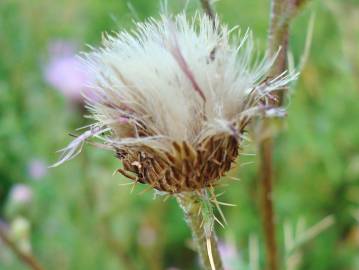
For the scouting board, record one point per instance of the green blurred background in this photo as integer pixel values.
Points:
(77, 216)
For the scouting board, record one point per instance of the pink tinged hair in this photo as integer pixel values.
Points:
(178, 56)
(276, 112)
(123, 120)
(75, 147)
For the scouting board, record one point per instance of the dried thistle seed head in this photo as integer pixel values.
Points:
(173, 97)
(183, 167)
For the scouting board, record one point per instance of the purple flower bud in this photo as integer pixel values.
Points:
(21, 193)
(65, 72)
(37, 169)
(147, 236)
(229, 255)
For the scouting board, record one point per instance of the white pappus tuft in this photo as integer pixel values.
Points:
(175, 79)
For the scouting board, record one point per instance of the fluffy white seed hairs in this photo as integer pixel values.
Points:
(174, 80)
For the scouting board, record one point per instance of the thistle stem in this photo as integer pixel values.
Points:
(277, 39)
(282, 11)
(207, 7)
(268, 218)
(210, 257)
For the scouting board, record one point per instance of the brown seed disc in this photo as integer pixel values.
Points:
(185, 167)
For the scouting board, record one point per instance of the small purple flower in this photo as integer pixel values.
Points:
(147, 236)
(229, 255)
(21, 193)
(37, 169)
(65, 72)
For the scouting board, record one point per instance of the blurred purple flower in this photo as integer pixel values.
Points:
(37, 169)
(21, 193)
(229, 255)
(65, 72)
(147, 236)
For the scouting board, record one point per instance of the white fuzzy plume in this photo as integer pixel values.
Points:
(176, 79)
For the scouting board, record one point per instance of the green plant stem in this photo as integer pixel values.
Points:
(277, 40)
(281, 14)
(266, 172)
(207, 7)
(191, 207)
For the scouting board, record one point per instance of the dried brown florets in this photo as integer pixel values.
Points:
(184, 167)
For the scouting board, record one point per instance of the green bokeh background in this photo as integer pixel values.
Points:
(80, 218)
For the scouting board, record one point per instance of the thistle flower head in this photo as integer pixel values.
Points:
(172, 99)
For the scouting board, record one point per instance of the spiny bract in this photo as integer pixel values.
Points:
(172, 99)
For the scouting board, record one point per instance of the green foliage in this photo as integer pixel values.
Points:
(82, 219)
